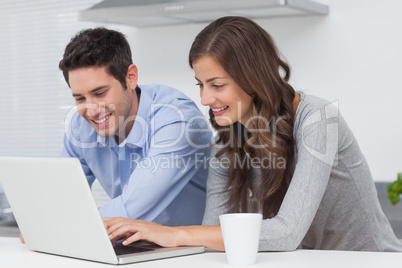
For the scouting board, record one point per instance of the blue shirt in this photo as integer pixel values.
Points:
(158, 173)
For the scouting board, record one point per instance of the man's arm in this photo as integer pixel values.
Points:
(161, 175)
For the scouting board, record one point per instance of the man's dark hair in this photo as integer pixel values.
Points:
(98, 47)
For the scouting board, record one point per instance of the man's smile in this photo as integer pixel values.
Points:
(101, 120)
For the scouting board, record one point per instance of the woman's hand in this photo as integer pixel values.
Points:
(133, 230)
(22, 238)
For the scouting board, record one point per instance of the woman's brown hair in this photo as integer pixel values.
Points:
(249, 55)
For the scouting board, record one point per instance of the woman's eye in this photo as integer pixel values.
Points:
(217, 86)
(199, 84)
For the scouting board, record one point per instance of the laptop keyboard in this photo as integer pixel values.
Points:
(130, 249)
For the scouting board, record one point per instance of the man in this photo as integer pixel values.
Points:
(145, 144)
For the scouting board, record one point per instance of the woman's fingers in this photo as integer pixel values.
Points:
(22, 238)
(133, 230)
(112, 228)
(121, 230)
(111, 224)
(131, 239)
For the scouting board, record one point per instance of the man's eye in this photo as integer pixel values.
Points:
(79, 99)
(100, 93)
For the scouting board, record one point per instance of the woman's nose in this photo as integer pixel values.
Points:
(207, 97)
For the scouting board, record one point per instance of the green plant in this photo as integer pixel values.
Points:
(394, 190)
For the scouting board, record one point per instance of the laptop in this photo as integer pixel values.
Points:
(56, 213)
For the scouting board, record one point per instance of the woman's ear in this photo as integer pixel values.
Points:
(132, 77)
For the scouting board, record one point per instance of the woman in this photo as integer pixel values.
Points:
(287, 154)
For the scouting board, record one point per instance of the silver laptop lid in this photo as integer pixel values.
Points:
(54, 208)
(56, 213)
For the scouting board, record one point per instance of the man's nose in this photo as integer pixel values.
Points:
(92, 110)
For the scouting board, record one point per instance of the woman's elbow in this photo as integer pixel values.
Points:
(290, 245)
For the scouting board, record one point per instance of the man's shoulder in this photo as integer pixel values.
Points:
(163, 94)
(168, 101)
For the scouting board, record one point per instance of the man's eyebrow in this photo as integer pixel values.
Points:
(92, 91)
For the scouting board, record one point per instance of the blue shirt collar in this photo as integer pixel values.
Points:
(138, 135)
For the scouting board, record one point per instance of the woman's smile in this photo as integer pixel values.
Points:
(219, 111)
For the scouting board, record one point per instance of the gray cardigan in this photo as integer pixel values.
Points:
(331, 202)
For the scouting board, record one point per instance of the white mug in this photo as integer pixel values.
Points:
(241, 235)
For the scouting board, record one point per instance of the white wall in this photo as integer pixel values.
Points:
(353, 56)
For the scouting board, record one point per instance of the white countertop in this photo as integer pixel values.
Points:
(14, 254)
